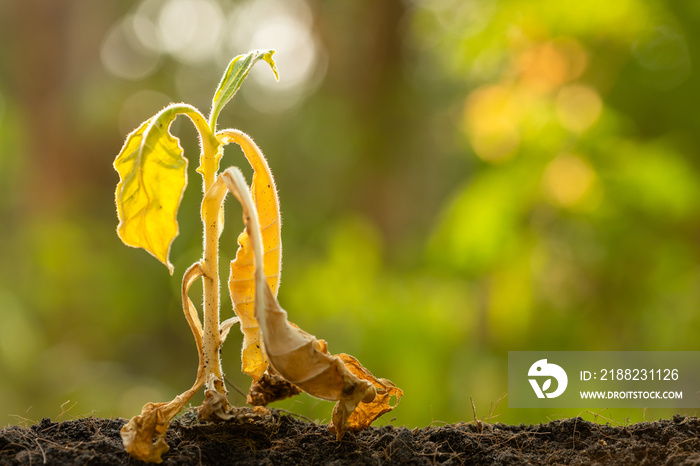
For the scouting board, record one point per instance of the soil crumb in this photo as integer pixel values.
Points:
(276, 437)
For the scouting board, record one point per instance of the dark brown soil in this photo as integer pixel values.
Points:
(283, 439)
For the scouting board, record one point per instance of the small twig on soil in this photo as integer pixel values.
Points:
(478, 423)
(22, 421)
(235, 387)
(494, 405)
(64, 410)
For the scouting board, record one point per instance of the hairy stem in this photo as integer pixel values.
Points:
(212, 217)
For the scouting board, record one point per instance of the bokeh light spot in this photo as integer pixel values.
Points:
(286, 27)
(547, 66)
(299, 53)
(190, 30)
(578, 107)
(177, 24)
(491, 116)
(568, 180)
(123, 54)
(145, 28)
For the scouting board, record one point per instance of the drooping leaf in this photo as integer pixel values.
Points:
(153, 177)
(144, 435)
(234, 76)
(242, 278)
(300, 358)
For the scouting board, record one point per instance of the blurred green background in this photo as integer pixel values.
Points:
(458, 179)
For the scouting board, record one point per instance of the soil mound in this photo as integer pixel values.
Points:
(280, 438)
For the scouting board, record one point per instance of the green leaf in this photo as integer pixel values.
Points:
(233, 78)
(153, 176)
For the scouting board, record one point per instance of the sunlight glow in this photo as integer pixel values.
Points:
(198, 31)
(191, 30)
(285, 26)
(124, 55)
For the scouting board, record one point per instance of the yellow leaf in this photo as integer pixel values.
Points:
(242, 278)
(153, 175)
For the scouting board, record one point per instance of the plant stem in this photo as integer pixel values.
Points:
(212, 219)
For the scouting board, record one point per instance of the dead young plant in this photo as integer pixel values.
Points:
(281, 358)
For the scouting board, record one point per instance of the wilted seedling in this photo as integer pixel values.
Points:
(281, 358)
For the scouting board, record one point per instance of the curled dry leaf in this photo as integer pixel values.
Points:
(242, 278)
(366, 413)
(144, 435)
(139, 433)
(300, 358)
